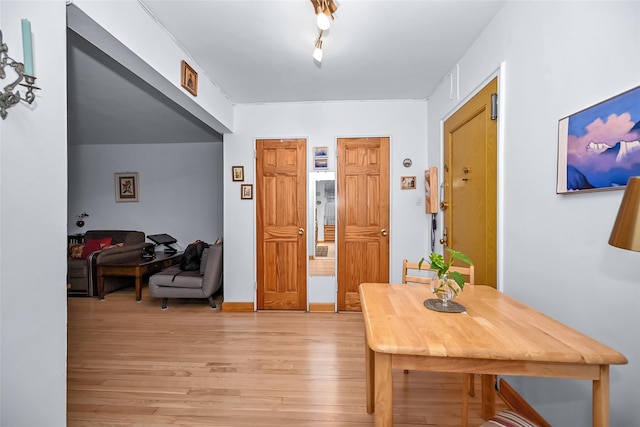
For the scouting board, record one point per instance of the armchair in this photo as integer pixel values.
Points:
(82, 269)
(175, 283)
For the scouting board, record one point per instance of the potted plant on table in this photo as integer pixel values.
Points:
(446, 284)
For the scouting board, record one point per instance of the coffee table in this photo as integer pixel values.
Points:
(139, 268)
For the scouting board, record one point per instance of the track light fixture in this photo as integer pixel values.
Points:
(317, 52)
(324, 10)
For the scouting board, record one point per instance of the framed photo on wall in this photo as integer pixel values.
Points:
(189, 79)
(321, 163)
(408, 183)
(127, 189)
(237, 173)
(246, 191)
(320, 158)
(599, 147)
(320, 151)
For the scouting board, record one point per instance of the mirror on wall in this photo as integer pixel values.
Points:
(323, 250)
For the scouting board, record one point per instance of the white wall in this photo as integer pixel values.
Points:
(180, 189)
(559, 57)
(33, 161)
(125, 31)
(321, 124)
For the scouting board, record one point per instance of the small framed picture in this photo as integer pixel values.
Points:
(246, 191)
(127, 187)
(189, 79)
(320, 151)
(408, 183)
(321, 163)
(237, 173)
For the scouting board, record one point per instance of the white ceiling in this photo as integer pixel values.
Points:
(260, 51)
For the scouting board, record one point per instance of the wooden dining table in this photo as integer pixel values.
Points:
(496, 335)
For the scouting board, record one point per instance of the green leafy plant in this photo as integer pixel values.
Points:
(441, 267)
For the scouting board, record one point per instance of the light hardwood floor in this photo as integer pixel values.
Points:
(324, 266)
(132, 364)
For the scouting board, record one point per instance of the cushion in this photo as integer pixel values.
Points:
(173, 277)
(509, 419)
(90, 246)
(203, 260)
(117, 245)
(75, 251)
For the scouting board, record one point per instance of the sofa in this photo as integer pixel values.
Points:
(101, 246)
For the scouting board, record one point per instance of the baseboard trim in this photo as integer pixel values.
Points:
(322, 307)
(237, 306)
(517, 403)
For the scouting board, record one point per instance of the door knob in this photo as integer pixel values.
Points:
(300, 230)
(445, 237)
(444, 205)
(383, 232)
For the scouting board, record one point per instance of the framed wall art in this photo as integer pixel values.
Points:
(320, 158)
(599, 147)
(408, 183)
(321, 163)
(127, 189)
(189, 79)
(431, 190)
(246, 191)
(237, 173)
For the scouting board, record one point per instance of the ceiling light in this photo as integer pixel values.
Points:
(324, 10)
(317, 52)
(323, 20)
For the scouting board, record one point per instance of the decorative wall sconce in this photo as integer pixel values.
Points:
(9, 98)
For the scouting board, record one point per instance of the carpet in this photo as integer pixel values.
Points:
(321, 251)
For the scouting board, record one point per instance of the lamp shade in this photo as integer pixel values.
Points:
(626, 230)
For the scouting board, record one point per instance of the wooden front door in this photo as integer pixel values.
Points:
(470, 184)
(363, 216)
(281, 217)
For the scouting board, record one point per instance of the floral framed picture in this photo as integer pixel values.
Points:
(189, 79)
(127, 187)
(246, 191)
(237, 173)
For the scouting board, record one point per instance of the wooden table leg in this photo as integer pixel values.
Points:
(601, 398)
(488, 396)
(369, 377)
(138, 288)
(383, 390)
(465, 400)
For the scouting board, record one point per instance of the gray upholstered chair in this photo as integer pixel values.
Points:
(175, 283)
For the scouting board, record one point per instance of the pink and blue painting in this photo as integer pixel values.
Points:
(599, 147)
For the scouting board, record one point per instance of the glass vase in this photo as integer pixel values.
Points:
(443, 287)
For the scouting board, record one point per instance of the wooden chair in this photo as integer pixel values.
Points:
(411, 273)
